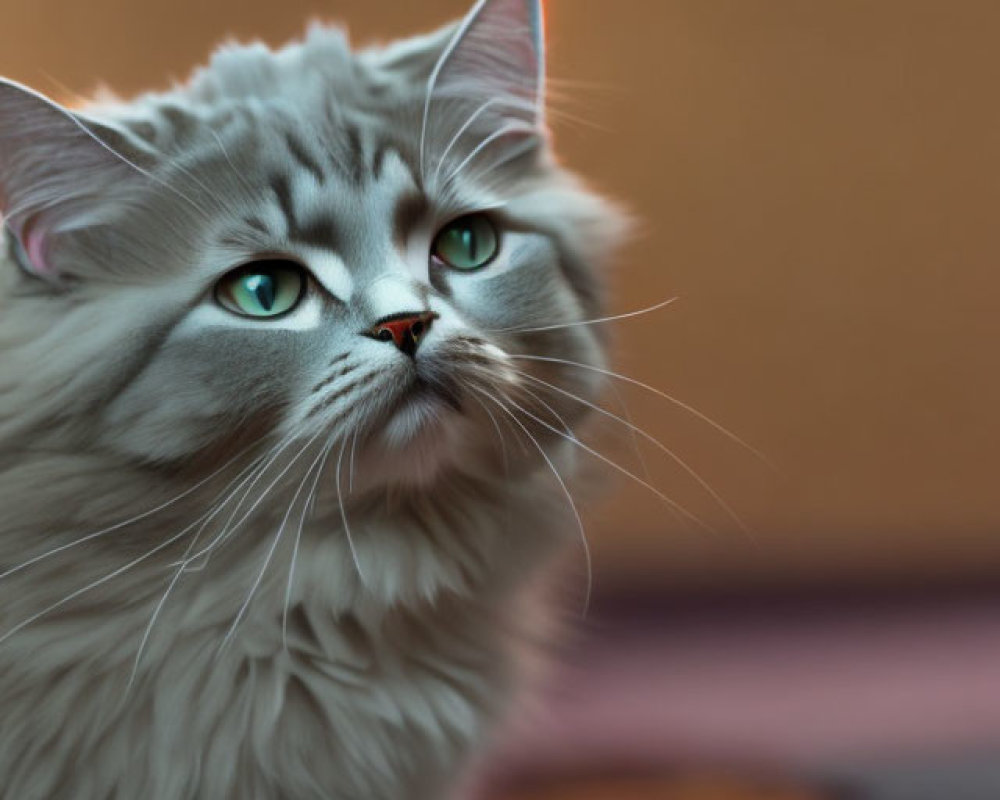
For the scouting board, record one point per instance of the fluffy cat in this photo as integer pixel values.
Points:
(278, 454)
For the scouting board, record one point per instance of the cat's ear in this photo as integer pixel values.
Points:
(57, 176)
(487, 89)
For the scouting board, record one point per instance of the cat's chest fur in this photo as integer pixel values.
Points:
(362, 689)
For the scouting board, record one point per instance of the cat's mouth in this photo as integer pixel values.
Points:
(428, 413)
(418, 434)
(433, 391)
(423, 407)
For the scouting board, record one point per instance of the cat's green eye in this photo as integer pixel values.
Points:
(267, 288)
(468, 243)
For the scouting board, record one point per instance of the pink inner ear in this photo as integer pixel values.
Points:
(34, 248)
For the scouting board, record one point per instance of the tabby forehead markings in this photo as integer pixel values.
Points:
(257, 224)
(301, 155)
(237, 240)
(411, 208)
(356, 155)
(182, 124)
(319, 231)
(378, 158)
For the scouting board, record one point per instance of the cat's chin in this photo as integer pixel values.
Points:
(417, 440)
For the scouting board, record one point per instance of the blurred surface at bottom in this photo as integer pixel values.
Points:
(883, 696)
(687, 788)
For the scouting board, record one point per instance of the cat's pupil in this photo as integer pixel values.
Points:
(469, 242)
(262, 287)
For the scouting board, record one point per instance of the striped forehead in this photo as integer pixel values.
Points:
(343, 206)
(331, 203)
(319, 190)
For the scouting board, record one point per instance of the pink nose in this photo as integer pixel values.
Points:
(404, 330)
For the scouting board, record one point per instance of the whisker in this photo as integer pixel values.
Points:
(78, 121)
(343, 516)
(502, 102)
(512, 127)
(576, 512)
(350, 480)
(534, 396)
(94, 584)
(118, 526)
(239, 175)
(598, 321)
(670, 502)
(205, 520)
(298, 538)
(274, 544)
(652, 440)
(229, 528)
(496, 427)
(679, 403)
(569, 431)
(256, 473)
(633, 439)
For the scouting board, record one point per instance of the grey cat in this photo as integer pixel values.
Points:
(280, 455)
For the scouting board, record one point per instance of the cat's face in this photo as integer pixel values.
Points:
(312, 246)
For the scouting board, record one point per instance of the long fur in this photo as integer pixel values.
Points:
(244, 558)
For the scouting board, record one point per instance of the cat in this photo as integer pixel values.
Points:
(281, 448)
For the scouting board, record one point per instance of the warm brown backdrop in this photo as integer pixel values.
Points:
(817, 182)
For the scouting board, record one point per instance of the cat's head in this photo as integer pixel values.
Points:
(304, 245)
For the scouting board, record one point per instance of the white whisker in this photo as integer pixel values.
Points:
(274, 544)
(256, 472)
(205, 519)
(511, 127)
(633, 439)
(230, 528)
(239, 175)
(679, 403)
(652, 440)
(576, 513)
(669, 501)
(496, 427)
(432, 85)
(343, 516)
(298, 538)
(598, 321)
(508, 102)
(125, 160)
(99, 582)
(350, 479)
(118, 526)
(534, 396)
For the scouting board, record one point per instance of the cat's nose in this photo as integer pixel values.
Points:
(405, 330)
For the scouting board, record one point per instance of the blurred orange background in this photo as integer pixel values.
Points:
(817, 184)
